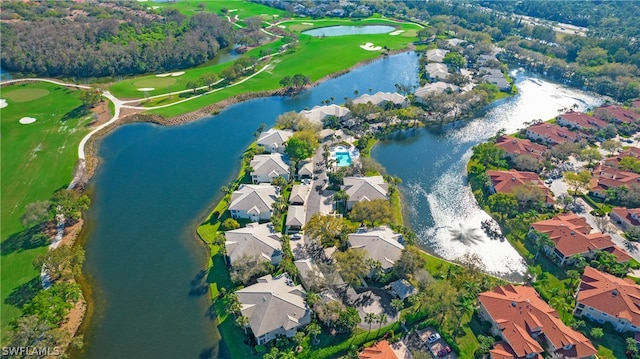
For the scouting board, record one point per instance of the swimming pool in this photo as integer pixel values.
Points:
(343, 159)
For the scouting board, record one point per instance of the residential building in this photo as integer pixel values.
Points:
(489, 60)
(307, 272)
(455, 42)
(305, 169)
(318, 113)
(552, 134)
(502, 350)
(274, 140)
(528, 325)
(605, 178)
(436, 71)
(381, 244)
(253, 202)
(633, 152)
(274, 306)
(627, 218)
(260, 240)
(507, 181)
(436, 55)
(364, 189)
(296, 218)
(494, 76)
(616, 114)
(402, 288)
(379, 350)
(299, 194)
(572, 235)
(515, 147)
(603, 297)
(267, 167)
(580, 121)
(382, 99)
(435, 87)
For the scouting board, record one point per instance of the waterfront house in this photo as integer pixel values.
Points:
(434, 87)
(274, 140)
(380, 244)
(494, 76)
(507, 181)
(552, 134)
(253, 202)
(605, 298)
(436, 55)
(436, 71)
(360, 189)
(267, 167)
(402, 289)
(379, 350)
(616, 114)
(626, 217)
(318, 113)
(296, 218)
(299, 194)
(382, 99)
(580, 121)
(572, 235)
(529, 326)
(515, 147)
(274, 306)
(259, 240)
(605, 178)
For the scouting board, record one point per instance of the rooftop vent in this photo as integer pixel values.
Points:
(513, 304)
(614, 293)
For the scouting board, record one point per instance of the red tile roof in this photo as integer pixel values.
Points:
(605, 177)
(506, 181)
(631, 152)
(582, 120)
(380, 350)
(615, 296)
(636, 104)
(553, 133)
(630, 215)
(517, 146)
(617, 114)
(520, 313)
(502, 350)
(572, 235)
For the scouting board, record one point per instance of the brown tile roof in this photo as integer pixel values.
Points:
(572, 235)
(605, 177)
(517, 146)
(615, 296)
(631, 215)
(521, 313)
(380, 350)
(617, 114)
(506, 181)
(554, 133)
(582, 120)
(631, 152)
(502, 350)
(636, 104)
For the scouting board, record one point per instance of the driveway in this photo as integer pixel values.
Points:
(436, 346)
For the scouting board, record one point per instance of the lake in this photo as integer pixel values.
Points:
(349, 30)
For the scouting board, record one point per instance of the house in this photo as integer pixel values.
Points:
(494, 76)
(364, 189)
(296, 218)
(528, 325)
(299, 194)
(267, 167)
(616, 114)
(305, 169)
(273, 140)
(502, 350)
(255, 239)
(605, 178)
(307, 272)
(402, 289)
(515, 147)
(580, 121)
(603, 297)
(455, 42)
(488, 60)
(379, 350)
(435, 87)
(507, 181)
(318, 113)
(572, 235)
(274, 306)
(253, 202)
(381, 244)
(615, 160)
(626, 217)
(326, 135)
(437, 71)
(552, 134)
(436, 55)
(382, 99)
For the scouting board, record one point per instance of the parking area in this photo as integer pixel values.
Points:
(437, 346)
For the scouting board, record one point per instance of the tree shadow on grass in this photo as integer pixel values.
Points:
(28, 238)
(23, 294)
(79, 111)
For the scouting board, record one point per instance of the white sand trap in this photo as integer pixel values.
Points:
(369, 47)
(397, 32)
(237, 18)
(146, 89)
(307, 23)
(176, 74)
(155, 7)
(282, 26)
(27, 120)
(164, 75)
(274, 15)
(142, 0)
(3, 103)
(232, 10)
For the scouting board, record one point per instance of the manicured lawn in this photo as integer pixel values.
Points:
(468, 342)
(243, 9)
(37, 159)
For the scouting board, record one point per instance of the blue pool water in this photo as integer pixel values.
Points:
(343, 159)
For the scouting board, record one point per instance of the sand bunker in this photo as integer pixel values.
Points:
(282, 26)
(176, 74)
(27, 120)
(397, 32)
(307, 23)
(232, 10)
(146, 89)
(164, 75)
(369, 47)
(155, 7)
(3, 103)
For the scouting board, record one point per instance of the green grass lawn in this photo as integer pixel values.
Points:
(243, 9)
(37, 159)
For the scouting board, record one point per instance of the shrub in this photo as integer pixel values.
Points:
(230, 224)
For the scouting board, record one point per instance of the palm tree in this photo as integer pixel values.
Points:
(242, 322)
(397, 304)
(312, 298)
(370, 318)
(341, 196)
(314, 329)
(382, 319)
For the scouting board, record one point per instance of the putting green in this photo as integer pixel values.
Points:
(155, 82)
(25, 95)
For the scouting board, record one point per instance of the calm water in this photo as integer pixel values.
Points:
(432, 164)
(349, 30)
(153, 185)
